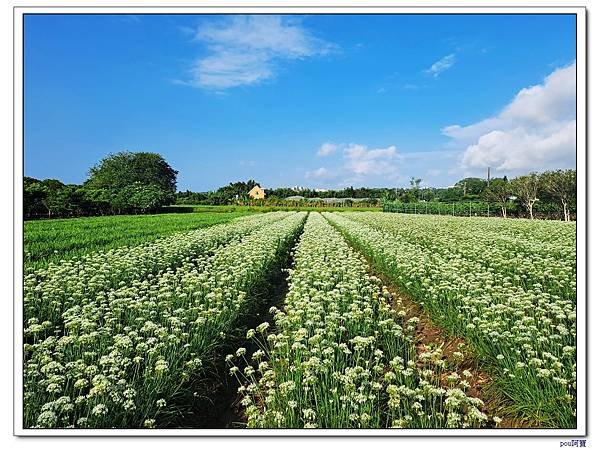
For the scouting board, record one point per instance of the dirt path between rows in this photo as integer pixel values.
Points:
(428, 335)
(219, 406)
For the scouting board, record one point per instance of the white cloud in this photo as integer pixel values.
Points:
(522, 149)
(542, 104)
(247, 49)
(320, 173)
(442, 65)
(327, 148)
(357, 164)
(230, 69)
(363, 161)
(535, 131)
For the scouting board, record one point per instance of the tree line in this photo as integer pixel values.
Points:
(544, 193)
(554, 186)
(226, 195)
(123, 183)
(548, 194)
(142, 182)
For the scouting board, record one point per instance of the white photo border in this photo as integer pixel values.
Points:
(582, 217)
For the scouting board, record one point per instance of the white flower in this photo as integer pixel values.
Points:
(99, 410)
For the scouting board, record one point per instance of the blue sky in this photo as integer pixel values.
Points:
(321, 101)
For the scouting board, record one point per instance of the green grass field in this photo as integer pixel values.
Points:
(52, 240)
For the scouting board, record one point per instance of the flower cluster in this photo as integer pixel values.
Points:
(508, 287)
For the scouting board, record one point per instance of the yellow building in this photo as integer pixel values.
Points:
(257, 193)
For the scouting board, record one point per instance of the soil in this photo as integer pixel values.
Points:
(428, 334)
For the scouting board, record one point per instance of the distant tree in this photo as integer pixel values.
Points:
(387, 196)
(499, 192)
(473, 186)
(427, 194)
(98, 201)
(236, 191)
(33, 196)
(415, 184)
(451, 194)
(70, 201)
(561, 185)
(526, 189)
(53, 198)
(126, 168)
(191, 198)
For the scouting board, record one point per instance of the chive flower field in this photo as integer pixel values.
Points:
(382, 320)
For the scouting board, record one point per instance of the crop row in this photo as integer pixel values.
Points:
(528, 263)
(47, 241)
(337, 355)
(118, 356)
(526, 336)
(48, 292)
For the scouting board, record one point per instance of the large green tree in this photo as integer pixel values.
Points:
(561, 186)
(473, 186)
(499, 191)
(124, 169)
(48, 196)
(33, 196)
(526, 189)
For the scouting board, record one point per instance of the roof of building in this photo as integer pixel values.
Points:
(255, 187)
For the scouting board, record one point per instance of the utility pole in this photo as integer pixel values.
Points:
(488, 177)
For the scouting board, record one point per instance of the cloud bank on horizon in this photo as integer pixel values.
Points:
(534, 132)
